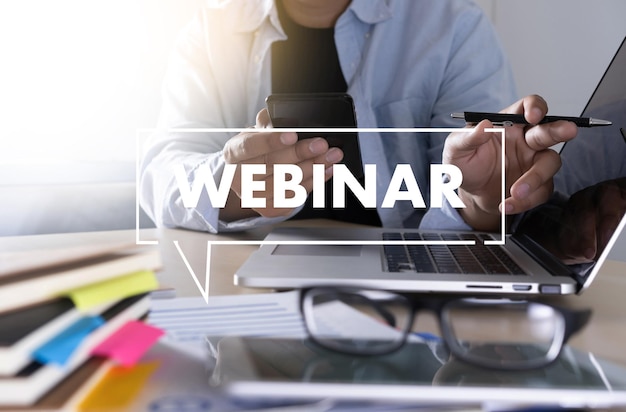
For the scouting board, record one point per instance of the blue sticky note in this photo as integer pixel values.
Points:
(59, 349)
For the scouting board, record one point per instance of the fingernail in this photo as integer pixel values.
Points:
(537, 114)
(317, 146)
(334, 155)
(523, 191)
(508, 208)
(288, 138)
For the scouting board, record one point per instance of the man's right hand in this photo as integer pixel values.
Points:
(271, 148)
(530, 164)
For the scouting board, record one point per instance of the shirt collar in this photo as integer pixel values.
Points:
(371, 11)
(250, 15)
(245, 15)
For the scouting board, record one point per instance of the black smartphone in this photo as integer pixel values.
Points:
(320, 110)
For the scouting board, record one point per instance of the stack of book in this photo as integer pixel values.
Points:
(62, 310)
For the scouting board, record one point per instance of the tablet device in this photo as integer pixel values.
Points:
(420, 372)
(320, 110)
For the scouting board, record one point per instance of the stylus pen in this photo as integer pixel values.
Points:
(503, 119)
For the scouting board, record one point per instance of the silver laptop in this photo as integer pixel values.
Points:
(539, 256)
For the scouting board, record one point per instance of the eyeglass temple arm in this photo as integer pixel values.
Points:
(387, 315)
(575, 321)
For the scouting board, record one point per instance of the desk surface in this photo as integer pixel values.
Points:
(604, 335)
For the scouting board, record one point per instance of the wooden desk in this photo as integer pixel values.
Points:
(605, 335)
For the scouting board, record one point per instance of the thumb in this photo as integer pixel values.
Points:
(263, 119)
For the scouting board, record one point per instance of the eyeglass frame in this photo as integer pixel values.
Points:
(573, 321)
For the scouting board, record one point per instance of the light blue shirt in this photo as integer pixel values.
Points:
(407, 63)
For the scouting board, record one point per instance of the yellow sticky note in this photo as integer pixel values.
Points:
(112, 289)
(117, 388)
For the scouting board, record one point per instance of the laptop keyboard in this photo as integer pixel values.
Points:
(475, 259)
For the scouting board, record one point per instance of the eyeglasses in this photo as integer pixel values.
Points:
(500, 334)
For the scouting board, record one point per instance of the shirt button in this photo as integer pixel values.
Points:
(257, 58)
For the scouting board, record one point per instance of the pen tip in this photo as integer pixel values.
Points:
(599, 122)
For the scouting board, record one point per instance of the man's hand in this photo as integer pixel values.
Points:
(530, 164)
(270, 148)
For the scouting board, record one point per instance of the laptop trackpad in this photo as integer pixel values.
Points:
(317, 250)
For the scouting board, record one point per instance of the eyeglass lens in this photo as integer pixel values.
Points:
(505, 334)
(384, 311)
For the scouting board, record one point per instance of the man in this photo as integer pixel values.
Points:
(406, 63)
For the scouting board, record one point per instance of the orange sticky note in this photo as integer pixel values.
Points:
(128, 344)
(117, 388)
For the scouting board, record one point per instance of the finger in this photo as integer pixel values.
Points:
(334, 155)
(306, 180)
(252, 144)
(303, 150)
(546, 135)
(533, 107)
(263, 119)
(539, 176)
(463, 144)
(534, 198)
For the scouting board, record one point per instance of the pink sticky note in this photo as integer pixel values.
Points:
(128, 344)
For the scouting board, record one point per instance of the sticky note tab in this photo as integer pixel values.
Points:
(113, 289)
(60, 348)
(128, 344)
(118, 388)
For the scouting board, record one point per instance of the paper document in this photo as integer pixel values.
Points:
(188, 321)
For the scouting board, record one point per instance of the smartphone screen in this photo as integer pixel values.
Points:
(320, 110)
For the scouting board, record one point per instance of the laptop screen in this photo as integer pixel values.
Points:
(590, 188)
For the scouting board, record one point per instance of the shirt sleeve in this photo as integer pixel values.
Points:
(478, 75)
(191, 104)
(478, 78)
(444, 218)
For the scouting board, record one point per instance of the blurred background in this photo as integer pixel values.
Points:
(79, 77)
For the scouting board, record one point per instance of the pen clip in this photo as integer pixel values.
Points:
(506, 123)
